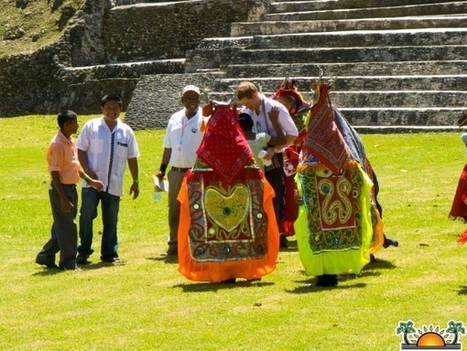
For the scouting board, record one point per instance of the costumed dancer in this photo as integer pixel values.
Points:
(289, 96)
(334, 230)
(227, 228)
(357, 151)
(459, 204)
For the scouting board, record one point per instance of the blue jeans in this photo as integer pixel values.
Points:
(110, 205)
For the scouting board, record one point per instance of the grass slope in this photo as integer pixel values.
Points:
(26, 25)
(145, 304)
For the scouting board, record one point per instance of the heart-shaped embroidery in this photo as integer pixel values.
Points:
(227, 209)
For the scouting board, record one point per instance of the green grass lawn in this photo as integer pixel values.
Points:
(145, 304)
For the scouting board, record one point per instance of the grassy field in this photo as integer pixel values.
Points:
(28, 25)
(145, 304)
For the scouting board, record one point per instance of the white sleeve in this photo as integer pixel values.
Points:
(133, 150)
(83, 140)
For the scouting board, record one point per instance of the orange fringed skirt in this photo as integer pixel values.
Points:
(249, 262)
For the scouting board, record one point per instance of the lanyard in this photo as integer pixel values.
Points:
(184, 123)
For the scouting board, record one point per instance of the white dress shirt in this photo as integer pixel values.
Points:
(96, 140)
(183, 136)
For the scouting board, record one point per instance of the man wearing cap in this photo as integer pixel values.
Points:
(182, 139)
(105, 145)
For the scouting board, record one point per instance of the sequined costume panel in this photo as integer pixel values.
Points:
(226, 223)
(333, 209)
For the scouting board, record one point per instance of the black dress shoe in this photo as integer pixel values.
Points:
(69, 267)
(111, 259)
(229, 281)
(283, 242)
(172, 251)
(82, 259)
(48, 261)
(326, 280)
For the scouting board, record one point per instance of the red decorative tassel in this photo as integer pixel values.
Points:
(462, 237)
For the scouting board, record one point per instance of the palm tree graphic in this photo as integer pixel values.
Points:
(406, 328)
(455, 328)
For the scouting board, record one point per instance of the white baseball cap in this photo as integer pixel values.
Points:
(191, 88)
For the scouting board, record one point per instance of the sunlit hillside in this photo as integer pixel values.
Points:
(26, 25)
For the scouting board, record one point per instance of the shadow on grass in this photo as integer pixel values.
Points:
(164, 258)
(379, 264)
(199, 287)
(48, 271)
(99, 265)
(462, 290)
(311, 287)
(86, 267)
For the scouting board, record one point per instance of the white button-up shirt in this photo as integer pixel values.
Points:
(183, 136)
(108, 151)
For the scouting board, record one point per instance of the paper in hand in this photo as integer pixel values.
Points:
(160, 184)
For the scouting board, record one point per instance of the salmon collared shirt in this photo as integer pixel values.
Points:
(62, 157)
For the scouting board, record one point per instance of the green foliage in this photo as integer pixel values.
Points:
(145, 304)
(28, 25)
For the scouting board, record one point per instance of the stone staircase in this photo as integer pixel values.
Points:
(394, 63)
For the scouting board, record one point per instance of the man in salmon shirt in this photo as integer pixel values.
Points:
(64, 168)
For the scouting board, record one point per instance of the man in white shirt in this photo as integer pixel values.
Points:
(182, 139)
(105, 145)
(271, 117)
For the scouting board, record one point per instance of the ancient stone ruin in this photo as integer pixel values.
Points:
(395, 63)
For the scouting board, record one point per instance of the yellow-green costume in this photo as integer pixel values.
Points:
(334, 229)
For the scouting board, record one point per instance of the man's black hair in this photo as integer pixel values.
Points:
(111, 97)
(245, 122)
(65, 116)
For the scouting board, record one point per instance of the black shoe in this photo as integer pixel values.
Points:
(229, 281)
(283, 242)
(326, 280)
(48, 261)
(112, 259)
(172, 251)
(82, 259)
(68, 267)
(390, 242)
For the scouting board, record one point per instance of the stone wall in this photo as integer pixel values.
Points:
(38, 82)
(169, 29)
(101, 33)
(156, 97)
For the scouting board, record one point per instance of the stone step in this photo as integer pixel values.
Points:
(407, 129)
(363, 38)
(128, 69)
(208, 58)
(346, 69)
(394, 98)
(362, 54)
(281, 27)
(361, 83)
(452, 7)
(372, 99)
(402, 116)
(295, 6)
(383, 116)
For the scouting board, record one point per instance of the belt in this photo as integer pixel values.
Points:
(181, 170)
(73, 186)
